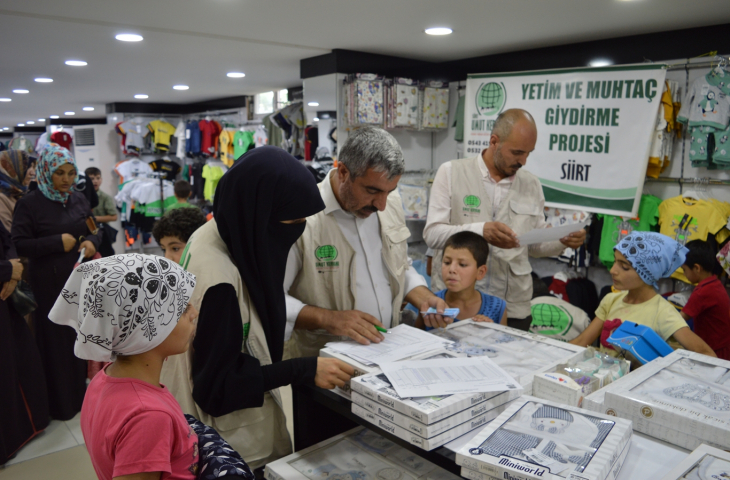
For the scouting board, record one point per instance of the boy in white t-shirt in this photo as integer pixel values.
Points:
(642, 258)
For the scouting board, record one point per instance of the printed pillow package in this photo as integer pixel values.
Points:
(521, 354)
(358, 454)
(704, 463)
(536, 439)
(687, 395)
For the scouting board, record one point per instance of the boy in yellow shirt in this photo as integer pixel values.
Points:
(642, 258)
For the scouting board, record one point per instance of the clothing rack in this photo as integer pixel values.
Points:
(681, 181)
(717, 60)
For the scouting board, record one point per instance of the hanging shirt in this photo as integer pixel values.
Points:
(170, 168)
(42, 142)
(226, 147)
(242, 142)
(707, 102)
(656, 313)
(22, 143)
(129, 169)
(212, 176)
(161, 132)
(180, 138)
(62, 138)
(260, 137)
(134, 140)
(209, 132)
(192, 137)
(615, 228)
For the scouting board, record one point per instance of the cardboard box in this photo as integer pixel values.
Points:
(422, 429)
(360, 369)
(433, 442)
(427, 410)
(613, 475)
(521, 354)
(557, 388)
(712, 462)
(545, 433)
(676, 397)
(360, 453)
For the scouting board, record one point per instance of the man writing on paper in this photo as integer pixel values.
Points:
(349, 272)
(492, 195)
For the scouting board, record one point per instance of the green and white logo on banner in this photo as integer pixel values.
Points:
(594, 130)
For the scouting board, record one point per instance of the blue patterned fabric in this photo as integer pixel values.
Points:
(217, 458)
(492, 307)
(652, 255)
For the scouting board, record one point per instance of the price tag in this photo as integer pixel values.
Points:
(22, 143)
(139, 129)
(187, 134)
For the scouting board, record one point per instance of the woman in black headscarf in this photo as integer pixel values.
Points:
(231, 376)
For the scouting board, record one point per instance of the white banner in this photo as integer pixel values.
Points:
(594, 128)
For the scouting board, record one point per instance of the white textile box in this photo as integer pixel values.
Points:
(537, 439)
(521, 354)
(356, 454)
(686, 394)
(613, 475)
(705, 462)
(421, 429)
(433, 442)
(427, 410)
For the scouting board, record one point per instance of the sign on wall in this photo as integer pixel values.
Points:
(594, 129)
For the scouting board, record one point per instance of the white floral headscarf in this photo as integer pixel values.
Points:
(122, 305)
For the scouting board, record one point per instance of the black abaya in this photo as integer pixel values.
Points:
(37, 228)
(23, 398)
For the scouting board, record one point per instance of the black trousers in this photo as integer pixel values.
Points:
(520, 323)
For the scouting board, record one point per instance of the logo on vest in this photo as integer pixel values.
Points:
(326, 256)
(471, 204)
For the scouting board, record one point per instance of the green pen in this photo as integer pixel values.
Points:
(381, 329)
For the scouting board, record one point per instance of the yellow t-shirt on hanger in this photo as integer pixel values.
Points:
(162, 132)
(685, 219)
(226, 147)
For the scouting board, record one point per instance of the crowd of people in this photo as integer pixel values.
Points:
(240, 305)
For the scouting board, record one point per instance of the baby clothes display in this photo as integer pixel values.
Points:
(663, 136)
(209, 132)
(130, 169)
(162, 132)
(615, 228)
(405, 102)
(415, 201)
(435, 110)
(369, 101)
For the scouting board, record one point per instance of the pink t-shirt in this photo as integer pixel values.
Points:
(131, 426)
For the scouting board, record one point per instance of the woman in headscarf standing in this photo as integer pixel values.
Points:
(230, 379)
(50, 228)
(17, 170)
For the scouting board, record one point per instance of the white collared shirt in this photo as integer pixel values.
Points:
(438, 222)
(372, 285)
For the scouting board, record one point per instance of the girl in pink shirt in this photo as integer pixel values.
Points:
(132, 310)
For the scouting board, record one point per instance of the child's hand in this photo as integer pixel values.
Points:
(482, 318)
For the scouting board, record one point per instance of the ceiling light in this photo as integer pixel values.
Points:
(44, 80)
(236, 74)
(6, 128)
(439, 31)
(53, 116)
(313, 104)
(129, 37)
(180, 87)
(21, 124)
(88, 109)
(69, 113)
(41, 119)
(600, 62)
(30, 122)
(315, 119)
(141, 96)
(6, 100)
(20, 90)
(76, 63)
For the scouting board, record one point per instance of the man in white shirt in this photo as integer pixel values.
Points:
(349, 272)
(492, 195)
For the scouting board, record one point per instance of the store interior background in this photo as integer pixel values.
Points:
(292, 45)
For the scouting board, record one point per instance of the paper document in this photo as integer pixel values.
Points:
(423, 378)
(402, 342)
(540, 235)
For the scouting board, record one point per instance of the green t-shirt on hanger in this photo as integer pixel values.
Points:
(615, 228)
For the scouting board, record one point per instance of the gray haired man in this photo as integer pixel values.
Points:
(349, 271)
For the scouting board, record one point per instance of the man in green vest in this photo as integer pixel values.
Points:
(349, 272)
(492, 195)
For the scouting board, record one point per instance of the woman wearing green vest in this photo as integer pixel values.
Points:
(231, 377)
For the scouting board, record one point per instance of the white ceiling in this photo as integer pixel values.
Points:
(195, 42)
